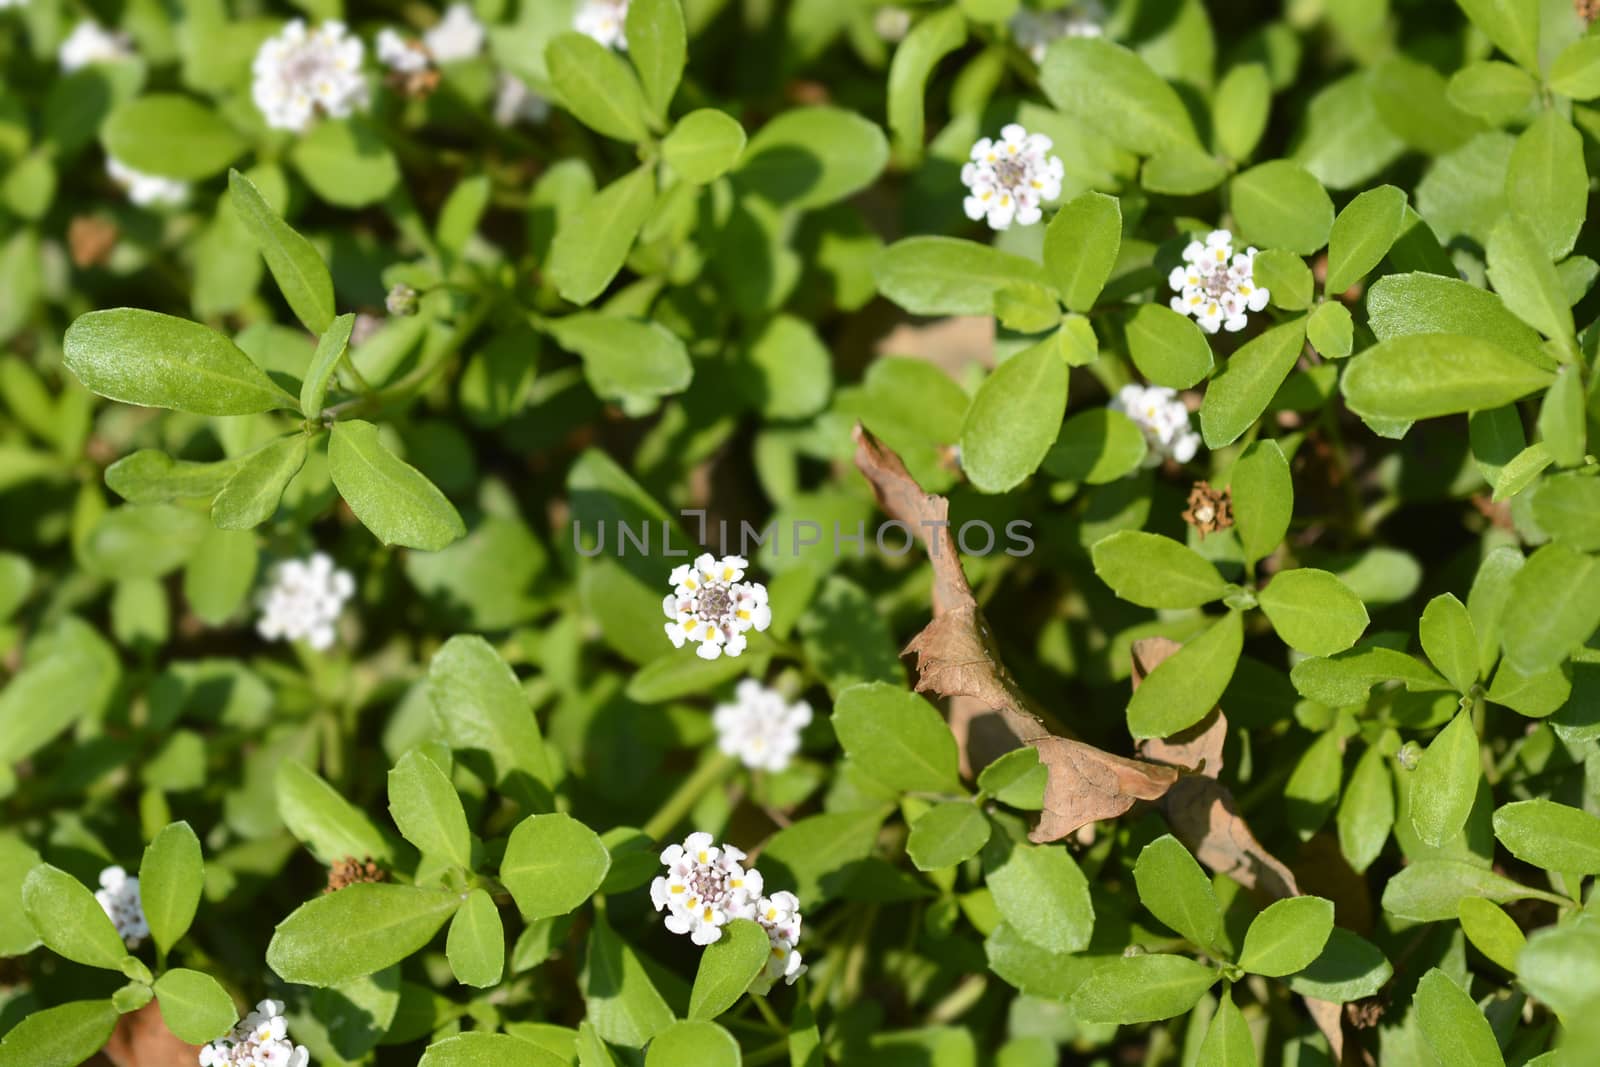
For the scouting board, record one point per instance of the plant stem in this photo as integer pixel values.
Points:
(710, 772)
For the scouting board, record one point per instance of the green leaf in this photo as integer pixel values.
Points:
(1431, 890)
(1041, 893)
(727, 967)
(346, 162)
(171, 135)
(328, 824)
(476, 944)
(220, 574)
(1526, 280)
(1287, 936)
(357, 931)
(815, 856)
(149, 476)
(1552, 609)
(1399, 304)
(704, 145)
(809, 157)
(1412, 100)
(1181, 170)
(1176, 891)
(194, 1006)
(331, 348)
(597, 87)
(459, 217)
(1179, 692)
(1156, 572)
(929, 41)
(1558, 966)
(1096, 446)
(1080, 247)
(1014, 419)
(141, 357)
(948, 276)
(1350, 968)
(1280, 205)
(1168, 348)
(74, 676)
(1313, 786)
(69, 920)
(1114, 91)
(624, 1006)
(1422, 376)
(17, 858)
(658, 46)
(302, 276)
(425, 807)
(1242, 389)
(486, 718)
(625, 357)
(1446, 782)
(1576, 71)
(1016, 778)
(1567, 507)
(1331, 331)
(1449, 641)
(1512, 26)
(693, 1043)
(897, 737)
(1286, 278)
(1366, 810)
(171, 876)
(1142, 989)
(1313, 611)
(479, 1048)
(1228, 1042)
(1263, 499)
(1492, 932)
(63, 1036)
(553, 863)
(393, 499)
(1239, 111)
(592, 243)
(1550, 835)
(1362, 235)
(252, 494)
(946, 834)
(1547, 185)
(1455, 1029)
(1563, 424)
(1493, 91)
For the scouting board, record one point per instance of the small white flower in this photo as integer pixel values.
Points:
(705, 888)
(514, 102)
(260, 1039)
(1008, 179)
(303, 600)
(91, 43)
(459, 35)
(779, 915)
(711, 606)
(891, 23)
(303, 72)
(761, 728)
(401, 54)
(146, 189)
(1163, 418)
(604, 20)
(1034, 30)
(119, 898)
(1216, 285)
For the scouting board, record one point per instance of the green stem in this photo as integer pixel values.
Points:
(711, 772)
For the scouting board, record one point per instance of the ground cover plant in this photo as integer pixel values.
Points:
(689, 533)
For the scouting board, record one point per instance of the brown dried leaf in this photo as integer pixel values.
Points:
(142, 1039)
(957, 657)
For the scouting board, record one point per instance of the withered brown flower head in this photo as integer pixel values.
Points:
(350, 870)
(1209, 509)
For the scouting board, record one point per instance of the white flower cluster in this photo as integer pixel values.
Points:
(119, 897)
(515, 102)
(261, 1039)
(1163, 418)
(302, 72)
(303, 600)
(760, 727)
(1216, 285)
(144, 189)
(711, 606)
(706, 887)
(91, 43)
(1009, 178)
(604, 20)
(1034, 30)
(457, 36)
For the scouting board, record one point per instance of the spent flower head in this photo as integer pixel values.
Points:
(303, 72)
(712, 607)
(90, 43)
(1158, 412)
(260, 1039)
(119, 897)
(604, 20)
(760, 726)
(705, 888)
(303, 599)
(1008, 179)
(146, 190)
(1217, 285)
(401, 54)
